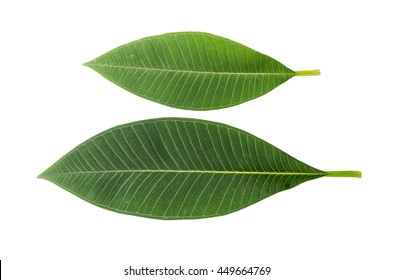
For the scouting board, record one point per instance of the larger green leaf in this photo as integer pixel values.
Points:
(175, 168)
(192, 70)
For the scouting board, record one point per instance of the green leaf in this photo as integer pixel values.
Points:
(193, 70)
(174, 168)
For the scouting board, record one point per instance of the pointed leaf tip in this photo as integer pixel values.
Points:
(86, 64)
(174, 168)
(41, 175)
(192, 70)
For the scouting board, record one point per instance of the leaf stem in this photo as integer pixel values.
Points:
(315, 72)
(346, 173)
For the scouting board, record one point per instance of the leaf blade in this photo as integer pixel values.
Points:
(175, 168)
(191, 70)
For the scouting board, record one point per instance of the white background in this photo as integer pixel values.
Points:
(330, 228)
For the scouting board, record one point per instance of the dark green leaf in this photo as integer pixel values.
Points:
(175, 168)
(192, 70)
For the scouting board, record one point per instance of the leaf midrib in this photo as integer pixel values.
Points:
(193, 71)
(194, 171)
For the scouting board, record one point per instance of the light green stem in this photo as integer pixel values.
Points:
(347, 173)
(315, 72)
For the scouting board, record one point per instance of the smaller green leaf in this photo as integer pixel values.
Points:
(174, 168)
(193, 70)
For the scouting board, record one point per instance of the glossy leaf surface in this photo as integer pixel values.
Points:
(192, 70)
